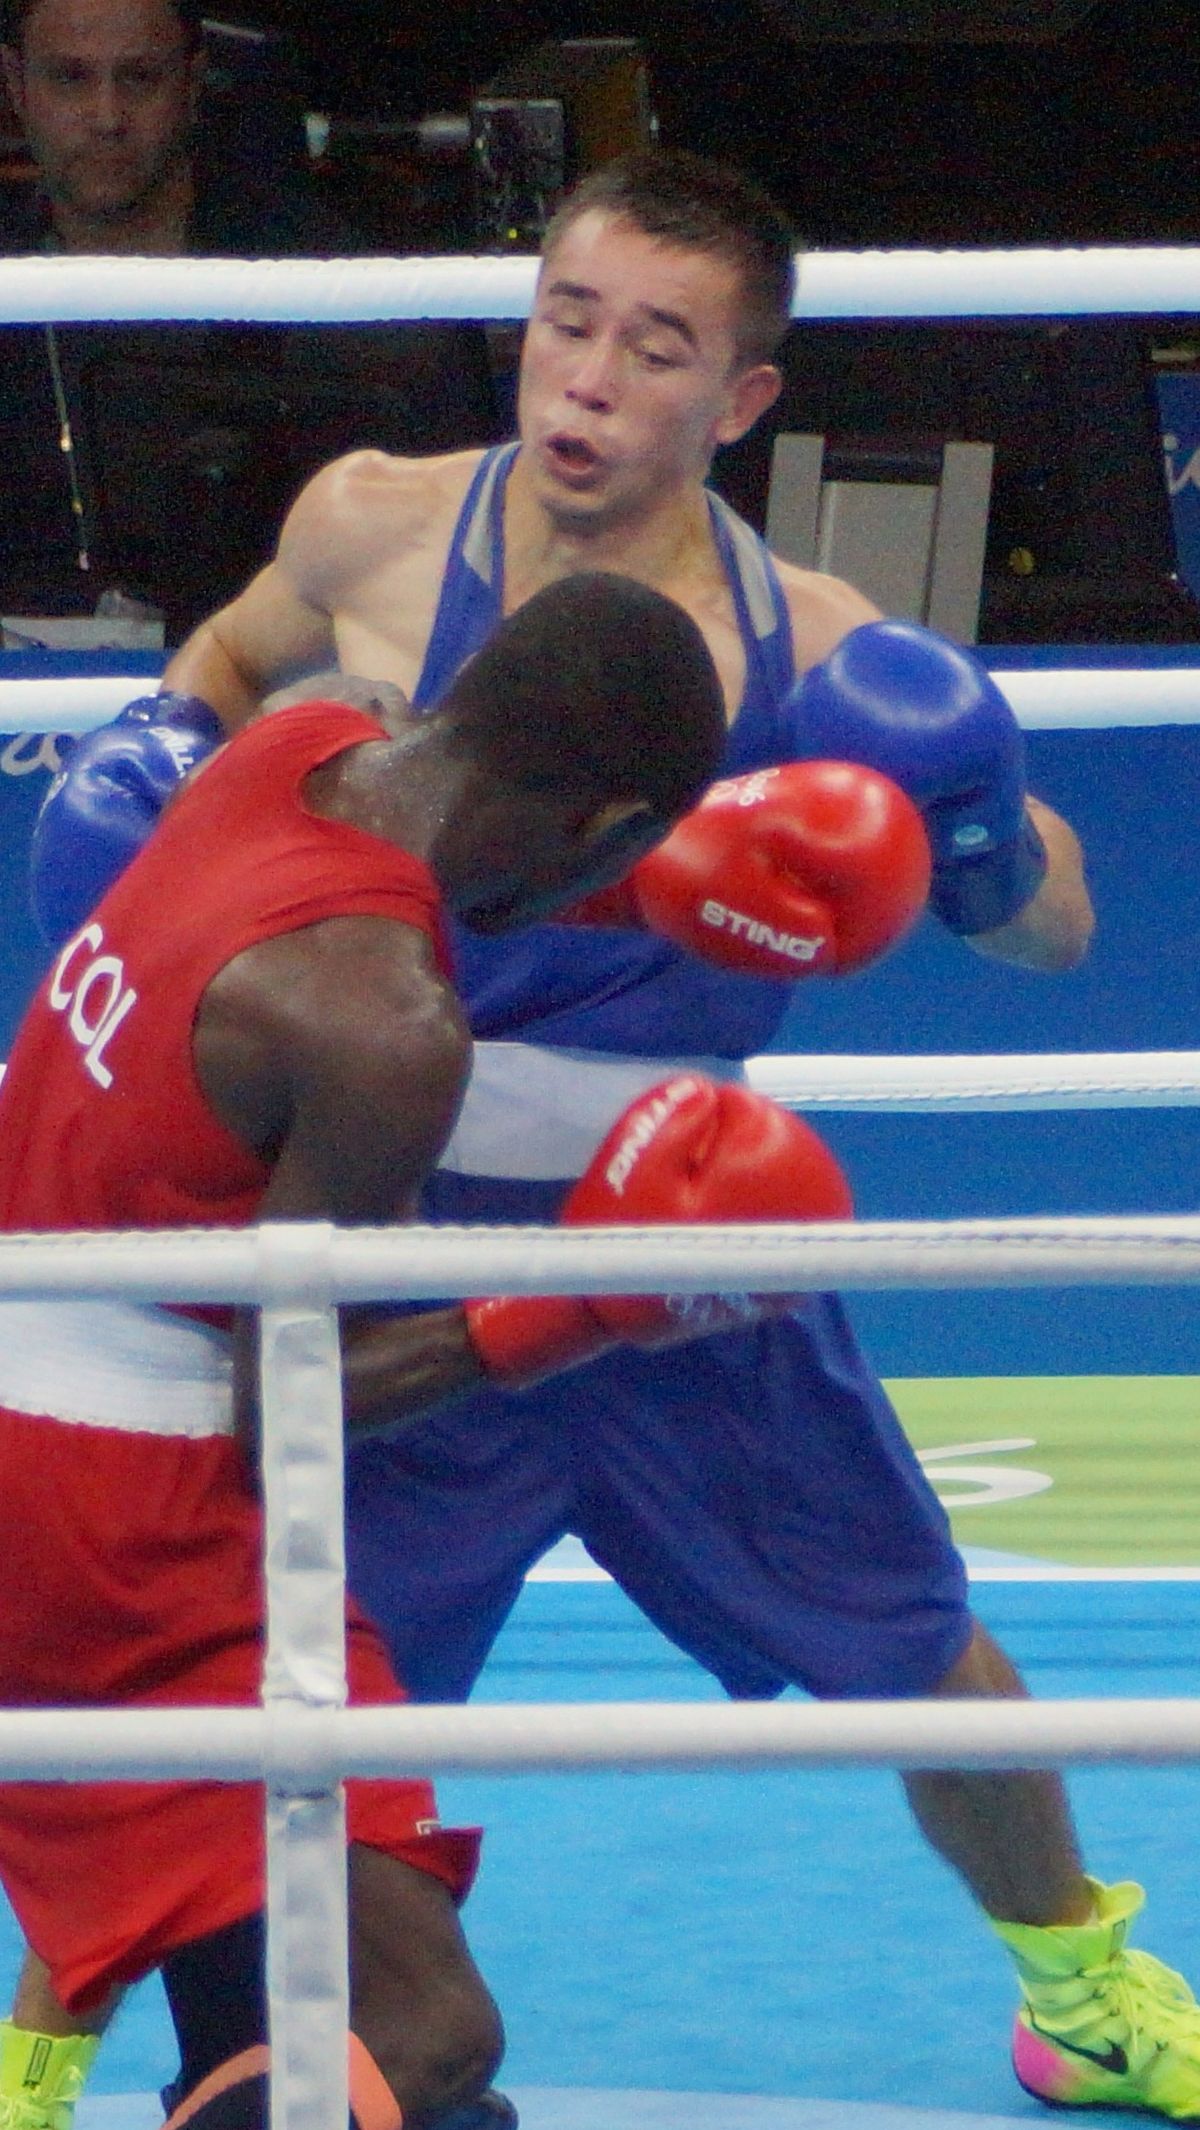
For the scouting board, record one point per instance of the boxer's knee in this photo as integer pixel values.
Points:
(982, 1671)
(439, 2054)
(419, 2005)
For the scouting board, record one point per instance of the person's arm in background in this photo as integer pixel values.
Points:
(924, 710)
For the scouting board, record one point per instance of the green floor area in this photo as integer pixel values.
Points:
(1096, 1471)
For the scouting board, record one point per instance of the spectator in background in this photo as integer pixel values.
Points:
(108, 95)
(159, 460)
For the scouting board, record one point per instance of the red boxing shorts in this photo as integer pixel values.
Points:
(130, 1576)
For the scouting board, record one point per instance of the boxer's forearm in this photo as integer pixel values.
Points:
(1053, 932)
(265, 638)
(393, 1369)
(205, 667)
(399, 1368)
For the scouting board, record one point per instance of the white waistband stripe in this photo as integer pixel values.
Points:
(115, 1364)
(534, 1115)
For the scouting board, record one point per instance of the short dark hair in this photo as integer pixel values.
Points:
(14, 14)
(684, 199)
(600, 685)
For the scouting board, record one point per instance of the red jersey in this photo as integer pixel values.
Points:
(102, 1120)
(130, 1545)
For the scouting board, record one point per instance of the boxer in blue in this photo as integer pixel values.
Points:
(754, 1494)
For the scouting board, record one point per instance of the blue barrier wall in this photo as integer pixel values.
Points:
(1134, 797)
(1179, 407)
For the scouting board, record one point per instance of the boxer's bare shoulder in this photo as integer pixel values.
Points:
(365, 512)
(366, 543)
(823, 610)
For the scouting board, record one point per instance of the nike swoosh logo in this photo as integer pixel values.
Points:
(1113, 2058)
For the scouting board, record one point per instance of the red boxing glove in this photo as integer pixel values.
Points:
(806, 870)
(690, 1149)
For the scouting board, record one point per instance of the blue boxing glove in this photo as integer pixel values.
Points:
(903, 700)
(105, 800)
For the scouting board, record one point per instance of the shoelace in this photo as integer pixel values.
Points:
(25, 2110)
(1133, 1988)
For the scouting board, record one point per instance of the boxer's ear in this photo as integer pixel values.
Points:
(614, 836)
(749, 395)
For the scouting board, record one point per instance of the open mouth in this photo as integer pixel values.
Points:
(571, 455)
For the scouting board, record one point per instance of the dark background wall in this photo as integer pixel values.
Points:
(1019, 121)
(1077, 124)
(1084, 136)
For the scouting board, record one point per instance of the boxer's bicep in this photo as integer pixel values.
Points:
(281, 627)
(357, 513)
(374, 1085)
(365, 1067)
(339, 1053)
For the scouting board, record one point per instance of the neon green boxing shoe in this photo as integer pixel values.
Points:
(1101, 2027)
(41, 2077)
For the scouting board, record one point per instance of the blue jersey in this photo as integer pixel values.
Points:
(597, 988)
(754, 1493)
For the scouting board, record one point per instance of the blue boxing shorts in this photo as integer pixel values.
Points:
(753, 1493)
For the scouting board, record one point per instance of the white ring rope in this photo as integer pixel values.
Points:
(1146, 1079)
(313, 1263)
(1069, 699)
(1059, 699)
(305, 1750)
(960, 1085)
(1024, 282)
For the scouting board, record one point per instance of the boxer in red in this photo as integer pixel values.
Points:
(258, 1021)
